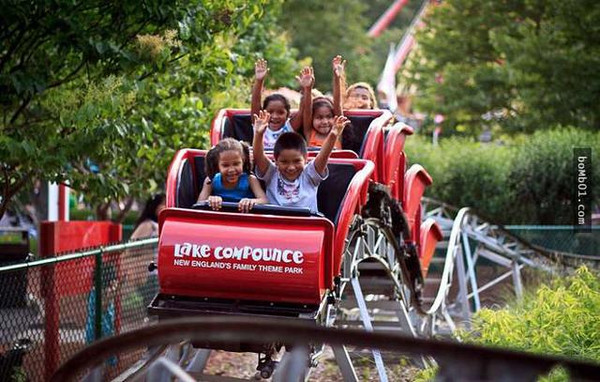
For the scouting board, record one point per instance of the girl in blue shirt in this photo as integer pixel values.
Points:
(228, 177)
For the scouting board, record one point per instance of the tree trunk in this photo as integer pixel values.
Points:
(102, 211)
(122, 212)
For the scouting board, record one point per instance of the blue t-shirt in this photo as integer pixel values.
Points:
(242, 189)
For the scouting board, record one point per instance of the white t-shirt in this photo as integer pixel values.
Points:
(272, 135)
(301, 192)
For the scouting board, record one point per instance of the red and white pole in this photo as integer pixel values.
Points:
(58, 202)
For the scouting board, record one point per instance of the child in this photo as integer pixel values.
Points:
(277, 105)
(228, 177)
(318, 119)
(360, 96)
(290, 181)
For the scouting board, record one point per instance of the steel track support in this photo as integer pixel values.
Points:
(471, 270)
(343, 360)
(462, 286)
(166, 368)
(366, 319)
(404, 319)
(294, 366)
(516, 273)
(163, 373)
(198, 362)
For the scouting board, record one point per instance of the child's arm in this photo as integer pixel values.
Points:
(339, 78)
(261, 121)
(260, 72)
(307, 105)
(339, 124)
(206, 190)
(260, 197)
(214, 201)
(306, 81)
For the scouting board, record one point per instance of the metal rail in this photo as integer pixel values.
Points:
(493, 243)
(81, 254)
(456, 361)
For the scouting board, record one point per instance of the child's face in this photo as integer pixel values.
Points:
(231, 166)
(278, 114)
(323, 120)
(360, 98)
(290, 163)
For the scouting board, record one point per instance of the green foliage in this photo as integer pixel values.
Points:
(466, 173)
(102, 94)
(561, 318)
(528, 180)
(321, 30)
(520, 65)
(542, 176)
(426, 375)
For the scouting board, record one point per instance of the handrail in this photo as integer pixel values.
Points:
(551, 254)
(81, 254)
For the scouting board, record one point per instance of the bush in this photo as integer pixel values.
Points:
(560, 318)
(542, 176)
(466, 173)
(531, 180)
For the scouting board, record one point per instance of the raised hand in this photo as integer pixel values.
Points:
(338, 65)
(260, 69)
(339, 123)
(261, 121)
(306, 79)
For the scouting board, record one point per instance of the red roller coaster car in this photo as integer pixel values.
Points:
(287, 262)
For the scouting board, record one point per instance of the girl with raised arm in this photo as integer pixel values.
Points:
(277, 105)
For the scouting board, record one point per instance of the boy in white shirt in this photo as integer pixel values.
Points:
(290, 181)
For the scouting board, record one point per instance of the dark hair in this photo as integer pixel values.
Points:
(289, 141)
(211, 160)
(348, 136)
(149, 211)
(277, 97)
(320, 102)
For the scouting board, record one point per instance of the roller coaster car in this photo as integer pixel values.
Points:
(266, 257)
(279, 261)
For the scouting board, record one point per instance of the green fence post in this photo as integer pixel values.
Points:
(98, 296)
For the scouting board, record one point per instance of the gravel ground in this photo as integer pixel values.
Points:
(243, 365)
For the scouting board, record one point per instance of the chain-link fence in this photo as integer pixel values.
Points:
(561, 238)
(51, 308)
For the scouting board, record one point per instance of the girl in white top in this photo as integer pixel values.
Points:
(277, 105)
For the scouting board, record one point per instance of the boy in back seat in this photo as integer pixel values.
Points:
(291, 182)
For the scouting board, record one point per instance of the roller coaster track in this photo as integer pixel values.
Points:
(472, 240)
(376, 300)
(457, 361)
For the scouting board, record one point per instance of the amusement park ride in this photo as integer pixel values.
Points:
(279, 281)
(286, 262)
(365, 262)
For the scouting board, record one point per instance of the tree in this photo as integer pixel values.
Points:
(175, 107)
(75, 77)
(517, 65)
(323, 29)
